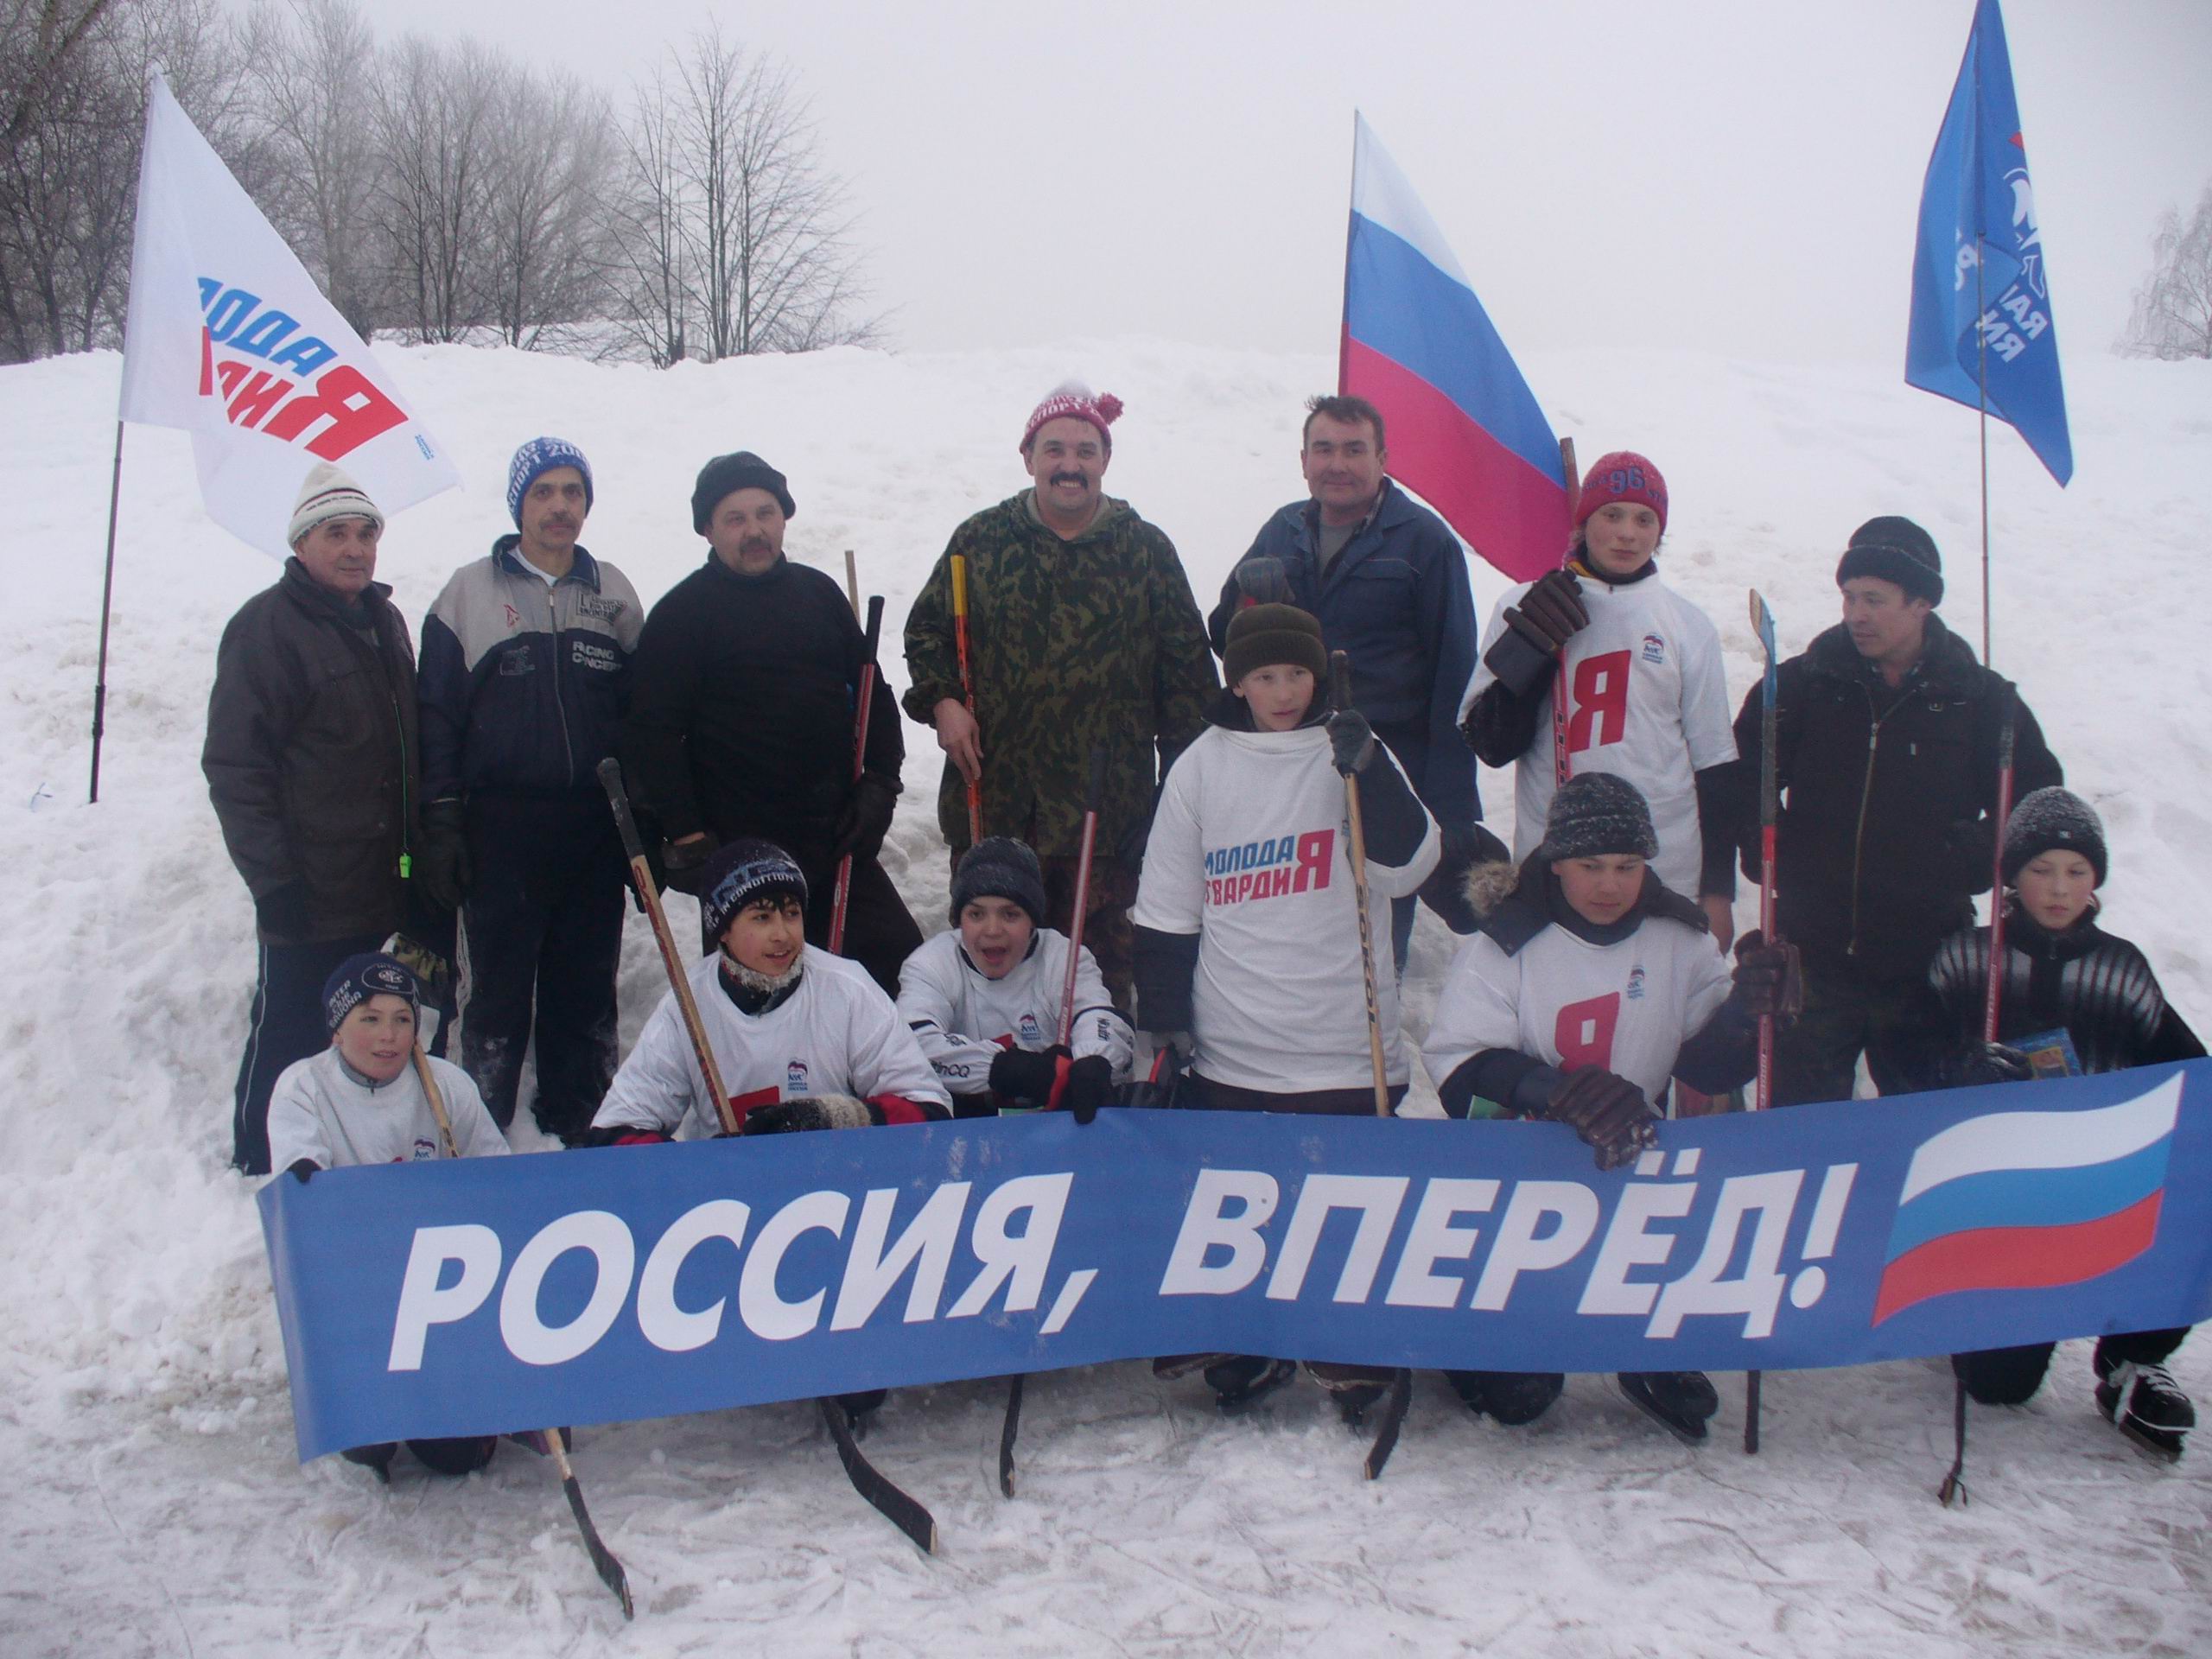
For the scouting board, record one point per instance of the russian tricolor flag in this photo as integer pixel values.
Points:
(1462, 428)
(2030, 1200)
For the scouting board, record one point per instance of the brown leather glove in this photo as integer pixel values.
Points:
(1551, 612)
(1769, 980)
(1609, 1112)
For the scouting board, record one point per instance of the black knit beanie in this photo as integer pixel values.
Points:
(2052, 820)
(1261, 635)
(727, 474)
(1596, 813)
(999, 867)
(742, 873)
(1895, 550)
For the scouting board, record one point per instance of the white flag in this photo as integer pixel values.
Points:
(230, 338)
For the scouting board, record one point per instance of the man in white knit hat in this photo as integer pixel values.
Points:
(310, 761)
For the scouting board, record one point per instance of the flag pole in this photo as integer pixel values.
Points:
(1344, 311)
(1981, 380)
(107, 596)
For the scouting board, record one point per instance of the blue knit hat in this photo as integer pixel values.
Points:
(370, 973)
(743, 872)
(542, 456)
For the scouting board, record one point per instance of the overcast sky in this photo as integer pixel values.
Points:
(1733, 177)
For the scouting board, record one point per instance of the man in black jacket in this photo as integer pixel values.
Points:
(310, 763)
(746, 678)
(1888, 734)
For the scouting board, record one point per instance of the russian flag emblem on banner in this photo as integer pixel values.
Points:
(2030, 1200)
(1462, 429)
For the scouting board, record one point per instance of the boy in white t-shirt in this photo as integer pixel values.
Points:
(1648, 699)
(1589, 986)
(361, 1102)
(983, 997)
(1247, 925)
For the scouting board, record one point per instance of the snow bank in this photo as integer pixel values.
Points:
(145, 1428)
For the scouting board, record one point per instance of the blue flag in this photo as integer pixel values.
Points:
(1981, 297)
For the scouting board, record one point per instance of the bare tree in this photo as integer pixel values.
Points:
(545, 230)
(2173, 308)
(319, 127)
(735, 236)
(435, 112)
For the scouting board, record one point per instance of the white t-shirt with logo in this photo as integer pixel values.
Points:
(1250, 850)
(1649, 701)
(964, 1019)
(319, 1109)
(1627, 1007)
(836, 1035)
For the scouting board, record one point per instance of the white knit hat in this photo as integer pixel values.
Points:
(330, 492)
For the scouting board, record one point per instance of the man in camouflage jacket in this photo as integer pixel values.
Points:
(1082, 633)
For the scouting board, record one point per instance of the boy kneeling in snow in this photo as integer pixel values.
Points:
(2063, 973)
(1589, 986)
(361, 1102)
(1248, 958)
(804, 1039)
(983, 997)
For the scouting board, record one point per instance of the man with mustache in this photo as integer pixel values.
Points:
(310, 762)
(1389, 584)
(525, 679)
(1082, 635)
(741, 723)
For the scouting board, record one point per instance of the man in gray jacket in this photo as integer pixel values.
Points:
(310, 764)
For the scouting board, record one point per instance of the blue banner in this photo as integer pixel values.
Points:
(493, 1294)
(1981, 297)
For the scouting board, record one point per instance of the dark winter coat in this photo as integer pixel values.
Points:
(1886, 829)
(524, 687)
(1075, 645)
(1397, 601)
(741, 708)
(311, 754)
(2099, 988)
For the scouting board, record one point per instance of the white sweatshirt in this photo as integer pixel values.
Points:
(1649, 702)
(322, 1110)
(1251, 850)
(964, 1019)
(836, 1034)
(1627, 1007)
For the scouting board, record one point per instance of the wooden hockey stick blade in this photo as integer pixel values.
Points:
(1392, 1418)
(890, 1501)
(602, 1559)
(1007, 1431)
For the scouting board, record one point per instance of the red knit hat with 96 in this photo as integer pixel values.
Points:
(1623, 475)
(1074, 401)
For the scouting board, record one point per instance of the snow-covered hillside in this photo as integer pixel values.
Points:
(154, 1506)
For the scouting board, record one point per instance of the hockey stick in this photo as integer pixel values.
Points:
(1770, 810)
(1340, 699)
(602, 1559)
(860, 757)
(967, 686)
(899, 1509)
(1012, 1427)
(1562, 767)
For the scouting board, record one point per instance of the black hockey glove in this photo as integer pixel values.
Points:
(684, 864)
(1551, 612)
(302, 1170)
(1018, 1074)
(282, 912)
(619, 1134)
(1769, 980)
(1089, 1085)
(1263, 580)
(1610, 1112)
(1352, 740)
(1995, 1063)
(811, 1112)
(443, 864)
(867, 817)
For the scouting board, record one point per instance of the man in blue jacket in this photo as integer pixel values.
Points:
(1389, 583)
(525, 682)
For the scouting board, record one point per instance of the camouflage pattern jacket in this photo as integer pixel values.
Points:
(1074, 644)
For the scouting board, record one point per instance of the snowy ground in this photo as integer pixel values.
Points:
(153, 1505)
